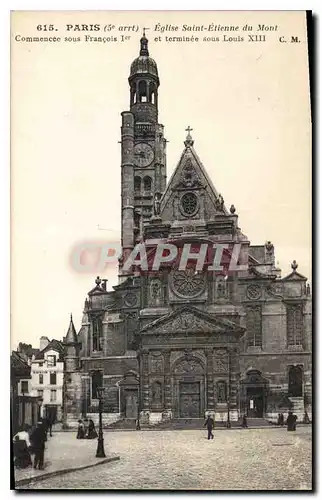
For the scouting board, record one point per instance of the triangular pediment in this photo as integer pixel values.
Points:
(191, 176)
(189, 319)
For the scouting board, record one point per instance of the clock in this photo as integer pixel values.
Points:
(143, 154)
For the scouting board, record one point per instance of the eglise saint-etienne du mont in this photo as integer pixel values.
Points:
(181, 344)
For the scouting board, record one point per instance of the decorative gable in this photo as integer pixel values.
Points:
(190, 193)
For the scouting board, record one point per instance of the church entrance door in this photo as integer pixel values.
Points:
(131, 404)
(189, 399)
(255, 398)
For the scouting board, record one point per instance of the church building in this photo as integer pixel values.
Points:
(176, 343)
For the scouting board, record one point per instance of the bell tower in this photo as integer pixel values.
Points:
(143, 149)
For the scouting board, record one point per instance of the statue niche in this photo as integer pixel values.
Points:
(157, 393)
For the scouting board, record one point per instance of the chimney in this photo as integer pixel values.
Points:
(44, 341)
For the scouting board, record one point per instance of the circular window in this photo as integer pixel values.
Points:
(189, 203)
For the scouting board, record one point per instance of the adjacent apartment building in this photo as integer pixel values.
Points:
(47, 373)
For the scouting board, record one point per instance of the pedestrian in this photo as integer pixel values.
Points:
(86, 424)
(291, 421)
(38, 439)
(306, 418)
(210, 425)
(92, 434)
(244, 422)
(23, 435)
(22, 456)
(22, 448)
(81, 430)
(44, 422)
(282, 420)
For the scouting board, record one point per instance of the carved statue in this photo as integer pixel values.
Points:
(219, 203)
(156, 393)
(155, 291)
(221, 288)
(157, 204)
(221, 392)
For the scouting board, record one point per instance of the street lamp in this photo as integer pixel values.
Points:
(100, 453)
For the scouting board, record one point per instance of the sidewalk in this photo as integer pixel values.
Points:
(62, 456)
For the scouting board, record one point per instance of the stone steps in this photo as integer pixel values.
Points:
(124, 423)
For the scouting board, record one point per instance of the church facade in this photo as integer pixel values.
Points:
(172, 343)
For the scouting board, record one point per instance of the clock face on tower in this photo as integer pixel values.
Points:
(143, 154)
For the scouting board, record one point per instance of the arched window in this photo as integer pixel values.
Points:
(295, 381)
(97, 333)
(97, 381)
(137, 218)
(254, 325)
(221, 391)
(137, 184)
(294, 322)
(147, 183)
(142, 91)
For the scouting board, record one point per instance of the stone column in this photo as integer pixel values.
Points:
(144, 416)
(233, 361)
(167, 413)
(210, 405)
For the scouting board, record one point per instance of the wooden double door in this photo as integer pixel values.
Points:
(189, 400)
(131, 403)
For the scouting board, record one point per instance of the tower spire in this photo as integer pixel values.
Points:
(71, 336)
(144, 51)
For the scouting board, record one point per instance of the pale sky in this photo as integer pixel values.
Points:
(248, 105)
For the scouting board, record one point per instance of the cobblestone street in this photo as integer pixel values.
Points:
(254, 459)
(236, 459)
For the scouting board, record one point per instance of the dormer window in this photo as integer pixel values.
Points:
(51, 361)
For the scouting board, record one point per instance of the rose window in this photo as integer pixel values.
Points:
(189, 203)
(188, 283)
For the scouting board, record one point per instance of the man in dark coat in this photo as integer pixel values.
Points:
(38, 439)
(210, 425)
(291, 421)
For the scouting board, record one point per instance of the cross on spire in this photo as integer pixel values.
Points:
(188, 142)
(144, 30)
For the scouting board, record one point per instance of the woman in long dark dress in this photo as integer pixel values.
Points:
(21, 453)
(81, 430)
(92, 434)
(291, 421)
